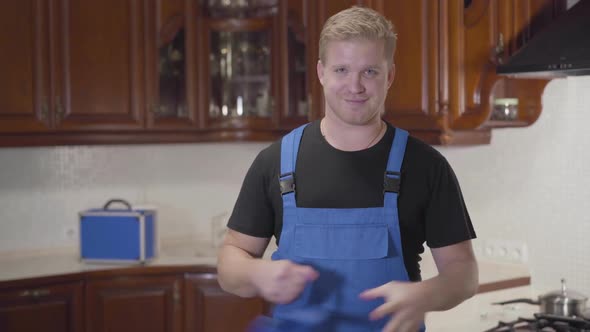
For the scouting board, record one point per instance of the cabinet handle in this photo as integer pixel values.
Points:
(157, 109)
(272, 104)
(35, 293)
(44, 111)
(500, 48)
(59, 110)
(176, 293)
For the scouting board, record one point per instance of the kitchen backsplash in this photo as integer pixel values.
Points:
(527, 187)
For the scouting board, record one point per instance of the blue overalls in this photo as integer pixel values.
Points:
(352, 249)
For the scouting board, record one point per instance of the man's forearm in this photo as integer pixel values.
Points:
(455, 283)
(235, 268)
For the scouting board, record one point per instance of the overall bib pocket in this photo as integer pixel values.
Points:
(350, 242)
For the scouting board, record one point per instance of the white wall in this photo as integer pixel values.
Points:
(43, 189)
(528, 185)
(532, 184)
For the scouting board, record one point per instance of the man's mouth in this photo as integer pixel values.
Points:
(356, 101)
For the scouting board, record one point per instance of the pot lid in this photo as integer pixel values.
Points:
(564, 295)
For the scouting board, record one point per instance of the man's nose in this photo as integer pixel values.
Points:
(355, 84)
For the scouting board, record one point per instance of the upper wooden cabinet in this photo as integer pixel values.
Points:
(24, 82)
(255, 71)
(72, 66)
(445, 83)
(414, 101)
(172, 48)
(97, 64)
(87, 72)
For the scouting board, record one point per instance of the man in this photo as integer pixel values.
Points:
(351, 200)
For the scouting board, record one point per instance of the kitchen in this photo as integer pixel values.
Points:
(525, 189)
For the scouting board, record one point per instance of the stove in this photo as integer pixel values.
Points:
(544, 323)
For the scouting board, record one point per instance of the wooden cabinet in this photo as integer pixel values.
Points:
(446, 55)
(134, 303)
(483, 34)
(87, 72)
(53, 308)
(173, 45)
(97, 64)
(24, 82)
(147, 299)
(254, 69)
(214, 310)
(71, 66)
(414, 101)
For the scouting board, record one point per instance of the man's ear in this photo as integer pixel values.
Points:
(390, 75)
(320, 71)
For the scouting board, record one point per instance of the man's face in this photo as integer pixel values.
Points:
(355, 77)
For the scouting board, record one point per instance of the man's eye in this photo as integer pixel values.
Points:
(371, 72)
(340, 70)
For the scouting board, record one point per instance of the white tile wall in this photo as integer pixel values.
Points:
(43, 189)
(528, 185)
(531, 184)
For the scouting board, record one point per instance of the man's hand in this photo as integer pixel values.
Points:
(282, 281)
(406, 301)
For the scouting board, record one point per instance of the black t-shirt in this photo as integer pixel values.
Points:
(430, 204)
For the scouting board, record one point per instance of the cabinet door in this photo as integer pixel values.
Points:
(482, 34)
(98, 64)
(24, 78)
(413, 99)
(472, 36)
(171, 59)
(52, 308)
(210, 309)
(241, 72)
(147, 304)
(295, 68)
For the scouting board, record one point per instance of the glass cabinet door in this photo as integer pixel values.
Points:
(257, 64)
(240, 73)
(172, 79)
(231, 68)
(171, 65)
(298, 95)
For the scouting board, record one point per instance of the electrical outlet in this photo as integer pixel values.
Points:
(70, 233)
(506, 250)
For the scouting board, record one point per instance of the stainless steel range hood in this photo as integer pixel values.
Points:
(562, 49)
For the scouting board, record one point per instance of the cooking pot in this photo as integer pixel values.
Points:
(562, 302)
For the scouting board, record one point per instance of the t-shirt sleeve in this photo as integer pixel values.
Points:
(447, 220)
(253, 214)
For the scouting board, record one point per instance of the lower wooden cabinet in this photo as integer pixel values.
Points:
(142, 299)
(123, 304)
(49, 308)
(210, 309)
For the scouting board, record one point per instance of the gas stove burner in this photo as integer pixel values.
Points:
(544, 323)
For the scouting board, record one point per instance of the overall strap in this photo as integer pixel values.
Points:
(392, 175)
(289, 149)
(392, 180)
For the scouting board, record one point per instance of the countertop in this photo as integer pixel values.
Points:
(492, 275)
(55, 265)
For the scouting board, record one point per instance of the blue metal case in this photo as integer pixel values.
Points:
(117, 235)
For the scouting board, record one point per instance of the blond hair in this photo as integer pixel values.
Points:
(359, 22)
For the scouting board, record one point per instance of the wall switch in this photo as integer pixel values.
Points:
(511, 251)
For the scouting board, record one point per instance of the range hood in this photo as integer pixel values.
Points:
(561, 49)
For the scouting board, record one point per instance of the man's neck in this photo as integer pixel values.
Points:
(348, 137)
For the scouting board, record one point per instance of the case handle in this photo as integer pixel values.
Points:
(117, 200)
